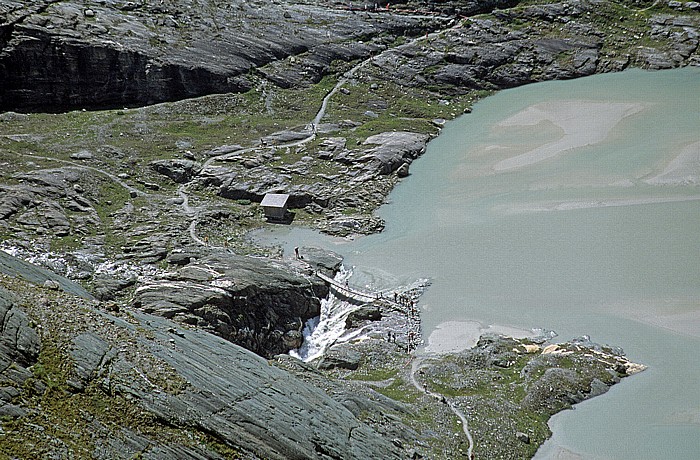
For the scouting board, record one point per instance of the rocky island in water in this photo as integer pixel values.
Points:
(137, 142)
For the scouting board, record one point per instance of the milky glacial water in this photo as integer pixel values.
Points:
(570, 206)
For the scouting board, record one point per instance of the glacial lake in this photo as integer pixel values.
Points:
(567, 206)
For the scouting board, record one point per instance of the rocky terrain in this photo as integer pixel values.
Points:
(82, 379)
(136, 142)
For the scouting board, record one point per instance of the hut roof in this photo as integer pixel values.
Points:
(275, 200)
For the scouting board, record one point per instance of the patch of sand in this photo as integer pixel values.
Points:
(583, 123)
(549, 206)
(680, 315)
(455, 336)
(682, 170)
(684, 323)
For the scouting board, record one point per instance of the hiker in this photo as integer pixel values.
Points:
(296, 252)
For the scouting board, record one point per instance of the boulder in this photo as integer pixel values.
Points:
(91, 356)
(178, 170)
(12, 199)
(340, 357)
(19, 349)
(323, 260)
(403, 170)
(108, 288)
(82, 155)
(365, 313)
(51, 284)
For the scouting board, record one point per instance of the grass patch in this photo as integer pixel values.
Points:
(373, 375)
(399, 390)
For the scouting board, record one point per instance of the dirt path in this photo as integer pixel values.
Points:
(194, 213)
(415, 367)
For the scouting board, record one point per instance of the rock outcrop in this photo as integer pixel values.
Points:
(55, 55)
(391, 150)
(258, 304)
(19, 349)
(184, 378)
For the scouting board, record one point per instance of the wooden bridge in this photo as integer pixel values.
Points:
(349, 294)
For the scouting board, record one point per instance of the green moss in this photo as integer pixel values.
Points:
(399, 390)
(373, 375)
(64, 243)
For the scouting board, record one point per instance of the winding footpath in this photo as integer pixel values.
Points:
(310, 128)
(415, 367)
(194, 213)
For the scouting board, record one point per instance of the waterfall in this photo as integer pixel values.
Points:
(323, 331)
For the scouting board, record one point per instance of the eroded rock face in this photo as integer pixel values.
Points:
(58, 55)
(251, 302)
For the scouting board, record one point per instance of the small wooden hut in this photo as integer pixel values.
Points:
(275, 205)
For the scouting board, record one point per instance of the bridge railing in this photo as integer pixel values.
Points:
(347, 291)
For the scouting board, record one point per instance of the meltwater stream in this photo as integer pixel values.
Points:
(568, 206)
(328, 328)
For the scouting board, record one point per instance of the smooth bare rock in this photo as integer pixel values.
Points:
(34, 274)
(56, 55)
(232, 395)
(393, 149)
(259, 407)
(321, 259)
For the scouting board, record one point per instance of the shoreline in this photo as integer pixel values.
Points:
(171, 189)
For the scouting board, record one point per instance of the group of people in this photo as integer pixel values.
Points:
(412, 335)
(408, 303)
(403, 300)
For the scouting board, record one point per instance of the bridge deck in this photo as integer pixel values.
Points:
(346, 291)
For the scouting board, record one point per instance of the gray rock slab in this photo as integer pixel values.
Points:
(237, 395)
(14, 266)
(90, 356)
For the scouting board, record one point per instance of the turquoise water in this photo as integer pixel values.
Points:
(572, 206)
